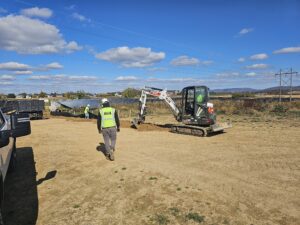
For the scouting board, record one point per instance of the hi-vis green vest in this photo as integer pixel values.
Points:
(87, 109)
(107, 117)
(199, 98)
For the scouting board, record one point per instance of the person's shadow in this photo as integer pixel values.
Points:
(101, 148)
(48, 176)
(21, 204)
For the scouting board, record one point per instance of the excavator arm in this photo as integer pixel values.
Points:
(159, 93)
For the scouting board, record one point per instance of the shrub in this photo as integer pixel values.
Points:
(280, 108)
(131, 93)
(11, 95)
(242, 95)
(195, 217)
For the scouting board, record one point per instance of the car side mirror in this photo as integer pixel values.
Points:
(4, 138)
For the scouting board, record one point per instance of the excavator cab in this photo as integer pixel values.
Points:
(196, 110)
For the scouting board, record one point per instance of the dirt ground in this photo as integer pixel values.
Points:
(248, 175)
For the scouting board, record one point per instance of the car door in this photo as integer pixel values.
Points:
(6, 144)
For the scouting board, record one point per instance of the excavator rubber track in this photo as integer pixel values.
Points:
(199, 131)
(190, 130)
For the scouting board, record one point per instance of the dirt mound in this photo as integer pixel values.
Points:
(144, 126)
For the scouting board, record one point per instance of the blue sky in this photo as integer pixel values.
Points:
(100, 46)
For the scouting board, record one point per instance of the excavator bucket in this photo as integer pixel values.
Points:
(220, 126)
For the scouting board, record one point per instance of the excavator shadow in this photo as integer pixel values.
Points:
(168, 125)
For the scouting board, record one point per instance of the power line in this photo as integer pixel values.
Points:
(286, 80)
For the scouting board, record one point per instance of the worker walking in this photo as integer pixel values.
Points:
(108, 124)
(87, 111)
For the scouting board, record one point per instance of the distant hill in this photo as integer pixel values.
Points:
(251, 90)
(234, 90)
(276, 89)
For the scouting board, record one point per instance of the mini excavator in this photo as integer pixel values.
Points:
(196, 115)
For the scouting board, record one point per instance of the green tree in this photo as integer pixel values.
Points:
(131, 93)
(81, 94)
(23, 95)
(11, 95)
(42, 94)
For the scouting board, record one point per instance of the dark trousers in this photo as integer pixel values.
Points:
(110, 138)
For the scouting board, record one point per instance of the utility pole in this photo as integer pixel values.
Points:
(291, 85)
(285, 82)
(280, 79)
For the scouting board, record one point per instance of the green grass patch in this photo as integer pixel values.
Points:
(174, 211)
(160, 219)
(76, 206)
(226, 222)
(195, 217)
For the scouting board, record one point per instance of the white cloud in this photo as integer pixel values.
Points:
(185, 61)
(7, 77)
(228, 74)
(14, 66)
(25, 72)
(242, 59)
(59, 76)
(188, 61)
(39, 77)
(63, 78)
(80, 17)
(71, 7)
(126, 78)
(287, 50)
(258, 66)
(131, 57)
(174, 80)
(37, 12)
(32, 36)
(82, 78)
(54, 65)
(157, 69)
(251, 74)
(4, 83)
(260, 56)
(72, 47)
(245, 31)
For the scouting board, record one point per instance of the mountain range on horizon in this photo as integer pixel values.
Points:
(252, 90)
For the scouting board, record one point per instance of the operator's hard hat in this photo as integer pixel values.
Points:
(88, 105)
(103, 100)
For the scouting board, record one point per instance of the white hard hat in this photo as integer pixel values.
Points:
(88, 105)
(103, 100)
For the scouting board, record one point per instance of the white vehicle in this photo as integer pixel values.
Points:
(11, 126)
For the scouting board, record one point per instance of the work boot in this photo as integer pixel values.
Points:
(107, 156)
(111, 156)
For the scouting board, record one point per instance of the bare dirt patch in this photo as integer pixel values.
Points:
(248, 175)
